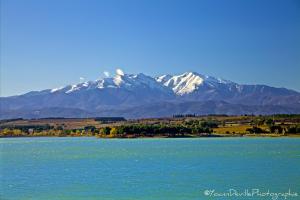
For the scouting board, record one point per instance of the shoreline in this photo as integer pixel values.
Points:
(183, 127)
(167, 137)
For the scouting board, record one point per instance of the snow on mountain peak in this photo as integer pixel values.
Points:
(56, 89)
(129, 81)
(118, 79)
(184, 83)
(180, 84)
(163, 78)
(188, 82)
(119, 72)
(79, 86)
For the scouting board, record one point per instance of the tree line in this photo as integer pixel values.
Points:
(184, 128)
(196, 128)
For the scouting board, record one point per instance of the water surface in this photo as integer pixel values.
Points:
(156, 169)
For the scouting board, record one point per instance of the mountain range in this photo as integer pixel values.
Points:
(142, 96)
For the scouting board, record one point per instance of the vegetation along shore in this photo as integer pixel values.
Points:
(172, 127)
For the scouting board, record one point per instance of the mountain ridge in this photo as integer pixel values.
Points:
(130, 91)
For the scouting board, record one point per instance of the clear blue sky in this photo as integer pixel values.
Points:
(51, 43)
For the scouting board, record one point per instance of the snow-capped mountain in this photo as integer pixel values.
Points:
(124, 93)
(189, 82)
(121, 90)
(192, 86)
(130, 82)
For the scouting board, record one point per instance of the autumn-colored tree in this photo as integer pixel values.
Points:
(113, 132)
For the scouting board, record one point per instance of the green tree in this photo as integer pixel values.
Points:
(106, 130)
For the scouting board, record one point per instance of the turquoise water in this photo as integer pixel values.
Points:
(156, 169)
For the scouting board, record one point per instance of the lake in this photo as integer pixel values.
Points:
(156, 169)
